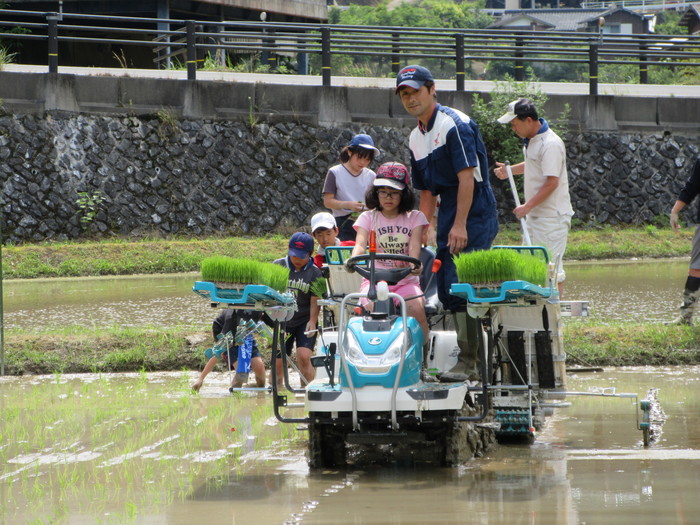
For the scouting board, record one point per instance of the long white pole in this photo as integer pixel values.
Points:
(526, 235)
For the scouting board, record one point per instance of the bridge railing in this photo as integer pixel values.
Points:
(192, 42)
(639, 5)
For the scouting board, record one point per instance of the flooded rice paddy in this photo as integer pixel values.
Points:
(630, 290)
(139, 448)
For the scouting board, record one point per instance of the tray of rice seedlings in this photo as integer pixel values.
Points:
(242, 281)
(499, 274)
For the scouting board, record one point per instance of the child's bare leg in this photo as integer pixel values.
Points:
(304, 362)
(207, 368)
(257, 365)
(416, 309)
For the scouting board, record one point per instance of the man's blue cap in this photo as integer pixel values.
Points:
(301, 245)
(362, 141)
(413, 76)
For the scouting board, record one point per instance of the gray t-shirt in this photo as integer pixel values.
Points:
(346, 186)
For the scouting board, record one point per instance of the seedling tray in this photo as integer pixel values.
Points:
(252, 295)
(508, 291)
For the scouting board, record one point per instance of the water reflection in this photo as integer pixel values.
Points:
(158, 300)
(648, 290)
(630, 290)
(587, 466)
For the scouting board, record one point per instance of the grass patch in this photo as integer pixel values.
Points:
(627, 344)
(147, 256)
(607, 242)
(121, 257)
(495, 266)
(77, 349)
(117, 349)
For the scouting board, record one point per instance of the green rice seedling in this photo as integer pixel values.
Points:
(230, 270)
(492, 267)
(138, 426)
(319, 287)
(244, 271)
(274, 275)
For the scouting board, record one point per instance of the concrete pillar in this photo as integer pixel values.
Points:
(59, 93)
(333, 106)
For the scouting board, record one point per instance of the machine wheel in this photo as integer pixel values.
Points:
(646, 425)
(462, 441)
(653, 418)
(327, 447)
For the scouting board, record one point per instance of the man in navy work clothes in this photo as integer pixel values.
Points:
(448, 159)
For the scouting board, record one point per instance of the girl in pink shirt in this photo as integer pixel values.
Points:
(399, 229)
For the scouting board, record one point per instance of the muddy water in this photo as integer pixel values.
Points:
(158, 300)
(646, 290)
(138, 449)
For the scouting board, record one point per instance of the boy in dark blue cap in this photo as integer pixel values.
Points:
(448, 159)
(301, 328)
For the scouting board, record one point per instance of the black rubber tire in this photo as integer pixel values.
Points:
(327, 448)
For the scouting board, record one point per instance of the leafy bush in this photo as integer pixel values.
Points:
(501, 143)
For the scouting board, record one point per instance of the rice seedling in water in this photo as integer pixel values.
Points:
(244, 271)
(114, 446)
(492, 267)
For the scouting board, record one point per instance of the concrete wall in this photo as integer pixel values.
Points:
(207, 166)
(316, 105)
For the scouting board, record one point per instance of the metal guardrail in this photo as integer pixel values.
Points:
(400, 45)
(639, 5)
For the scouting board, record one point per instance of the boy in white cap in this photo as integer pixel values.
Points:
(325, 231)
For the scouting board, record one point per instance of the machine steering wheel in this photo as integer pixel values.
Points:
(390, 275)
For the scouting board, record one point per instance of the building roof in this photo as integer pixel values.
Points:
(567, 19)
(690, 14)
(611, 11)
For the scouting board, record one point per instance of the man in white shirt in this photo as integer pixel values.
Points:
(547, 202)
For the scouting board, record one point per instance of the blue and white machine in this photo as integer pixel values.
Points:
(371, 392)
(369, 389)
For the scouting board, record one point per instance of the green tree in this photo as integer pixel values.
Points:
(501, 143)
(465, 15)
(425, 13)
(667, 23)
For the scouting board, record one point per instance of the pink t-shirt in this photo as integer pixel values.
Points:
(393, 235)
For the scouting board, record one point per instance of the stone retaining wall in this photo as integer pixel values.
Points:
(162, 176)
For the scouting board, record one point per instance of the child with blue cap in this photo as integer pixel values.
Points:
(301, 328)
(346, 184)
